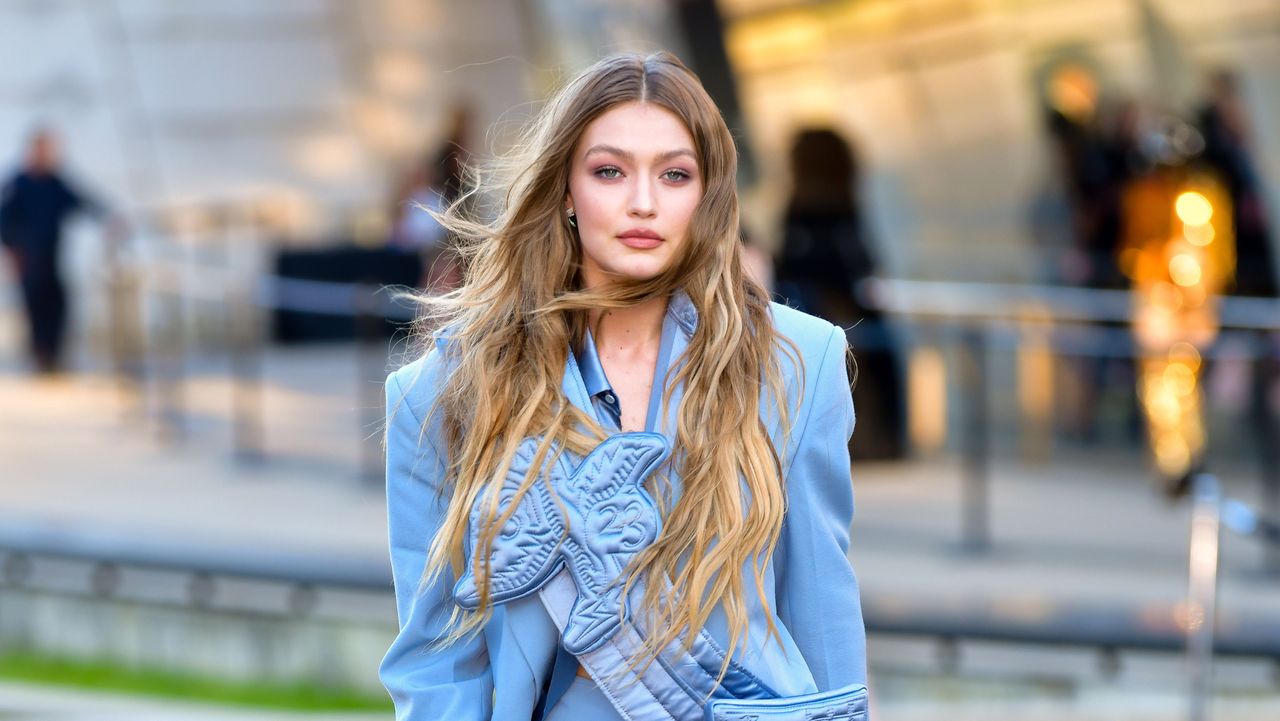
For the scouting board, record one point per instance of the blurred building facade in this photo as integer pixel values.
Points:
(947, 99)
(219, 128)
(301, 102)
(311, 108)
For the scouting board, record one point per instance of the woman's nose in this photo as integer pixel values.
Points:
(641, 201)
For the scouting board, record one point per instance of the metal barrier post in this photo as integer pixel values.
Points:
(370, 362)
(246, 361)
(1265, 370)
(123, 327)
(169, 364)
(1202, 593)
(976, 534)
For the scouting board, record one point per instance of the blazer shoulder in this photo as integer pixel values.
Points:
(418, 383)
(809, 333)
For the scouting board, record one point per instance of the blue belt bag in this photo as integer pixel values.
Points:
(569, 540)
(844, 704)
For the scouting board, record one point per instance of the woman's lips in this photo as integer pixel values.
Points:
(640, 240)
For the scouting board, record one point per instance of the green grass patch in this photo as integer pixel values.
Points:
(114, 676)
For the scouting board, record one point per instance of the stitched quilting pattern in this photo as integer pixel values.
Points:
(844, 704)
(604, 516)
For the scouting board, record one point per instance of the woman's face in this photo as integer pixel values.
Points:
(634, 183)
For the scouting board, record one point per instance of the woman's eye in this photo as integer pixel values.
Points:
(608, 173)
(675, 175)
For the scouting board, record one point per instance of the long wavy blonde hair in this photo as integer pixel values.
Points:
(521, 307)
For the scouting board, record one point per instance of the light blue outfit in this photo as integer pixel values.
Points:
(502, 672)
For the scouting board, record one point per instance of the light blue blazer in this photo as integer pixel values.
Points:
(811, 587)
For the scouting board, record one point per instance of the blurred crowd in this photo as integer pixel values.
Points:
(1174, 209)
(1113, 162)
(1103, 151)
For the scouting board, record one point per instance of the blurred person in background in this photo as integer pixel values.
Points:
(1224, 123)
(34, 205)
(1095, 161)
(610, 399)
(430, 186)
(1090, 165)
(825, 254)
(423, 194)
(1228, 149)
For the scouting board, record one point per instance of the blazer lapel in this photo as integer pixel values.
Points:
(574, 388)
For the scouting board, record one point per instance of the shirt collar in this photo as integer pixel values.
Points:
(681, 308)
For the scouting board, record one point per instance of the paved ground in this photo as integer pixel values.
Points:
(1085, 527)
(30, 703)
(37, 703)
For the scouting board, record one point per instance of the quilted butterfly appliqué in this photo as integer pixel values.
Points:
(604, 516)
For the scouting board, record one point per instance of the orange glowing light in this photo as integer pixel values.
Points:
(1172, 455)
(1073, 91)
(1199, 235)
(1179, 379)
(1184, 353)
(1185, 270)
(1174, 222)
(1194, 296)
(1166, 297)
(1163, 402)
(1193, 208)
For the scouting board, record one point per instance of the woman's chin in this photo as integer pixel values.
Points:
(639, 271)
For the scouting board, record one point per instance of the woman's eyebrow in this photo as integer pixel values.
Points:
(627, 155)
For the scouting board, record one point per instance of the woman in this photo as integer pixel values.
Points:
(685, 542)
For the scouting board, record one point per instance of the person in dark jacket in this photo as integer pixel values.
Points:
(825, 253)
(1228, 149)
(1224, 122)
(34, 206)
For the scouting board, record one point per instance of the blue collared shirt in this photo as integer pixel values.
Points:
(601, 392)
(604, 400)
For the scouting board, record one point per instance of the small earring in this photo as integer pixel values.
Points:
(573, 219)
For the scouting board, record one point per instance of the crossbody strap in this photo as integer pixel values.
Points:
(649, 695)
(674, 687)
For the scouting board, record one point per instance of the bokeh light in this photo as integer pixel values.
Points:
(1199, 235)
(1193, 208)
(1185, 270)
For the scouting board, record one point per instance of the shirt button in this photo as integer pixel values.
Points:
(608, 398)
